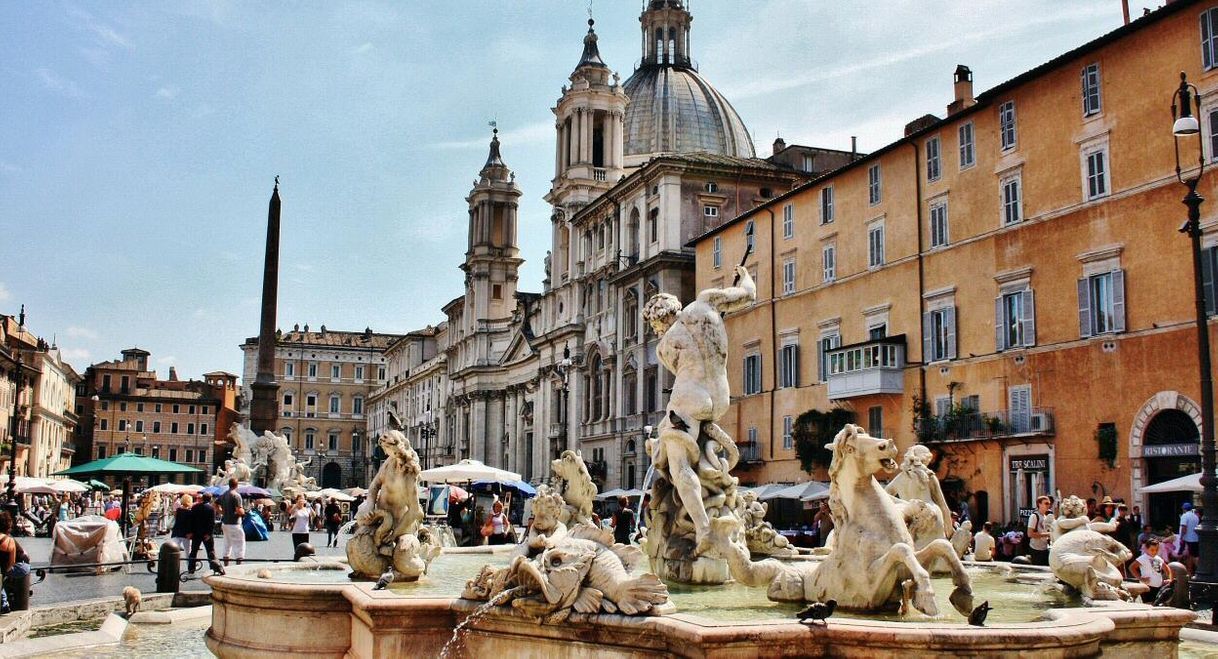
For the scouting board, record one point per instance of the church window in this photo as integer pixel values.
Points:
(710, 211)
(497, 291)
(653, 225)
(712, 187)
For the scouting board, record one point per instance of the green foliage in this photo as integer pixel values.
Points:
(813, 429)
(1106, 438)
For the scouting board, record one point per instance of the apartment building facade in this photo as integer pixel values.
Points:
(1006, 284)
(45, 405)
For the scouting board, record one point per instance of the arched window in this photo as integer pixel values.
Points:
(630, 316)
(632, 234)
(630, 385)
(597, 392)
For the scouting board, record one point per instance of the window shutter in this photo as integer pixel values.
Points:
(1118, 301)
(927, 325)
(1084, 308)
(951, 332)
(1000, 335)
(1029, 318)
(1207, 278)
(795, 366)
(1206, 56)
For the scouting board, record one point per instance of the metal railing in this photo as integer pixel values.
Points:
(750, 452)
(973, 424)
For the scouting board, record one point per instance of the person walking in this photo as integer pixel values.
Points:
(1188, 536)
(231, 512)
(202, 526)
(495, 528)
(1039, 524)
(300, 515)
(334, 517)
(180, 533)
(623, 522)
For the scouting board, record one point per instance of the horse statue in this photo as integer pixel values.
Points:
(874, 564)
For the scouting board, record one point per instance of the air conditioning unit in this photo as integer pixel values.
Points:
(1040, 422)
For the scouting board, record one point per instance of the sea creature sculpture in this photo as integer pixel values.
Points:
(388, 523)
(759, 534)
(1090, 562)
(584, 572)
(873, 564)
(575, 485)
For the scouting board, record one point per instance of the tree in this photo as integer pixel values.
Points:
(813, 429)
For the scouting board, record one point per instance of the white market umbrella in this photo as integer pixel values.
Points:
(337, 495)
(1190, 483)
(809, 491)
(67, 485)
(28, 485)
(611, 494)
(468, 470)
(176, 488)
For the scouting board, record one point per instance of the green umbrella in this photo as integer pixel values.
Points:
(97, 485)
(128, 463)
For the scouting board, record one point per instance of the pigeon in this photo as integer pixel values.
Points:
(977, 617)
(817, 611)
(384, 581)
(677, 421)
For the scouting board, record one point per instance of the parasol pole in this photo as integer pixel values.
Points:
(126, 499)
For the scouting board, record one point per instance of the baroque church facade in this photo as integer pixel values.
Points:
(513, 378)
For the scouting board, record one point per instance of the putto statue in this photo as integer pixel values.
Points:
(1085, 559)
(547, 527)
(759, 534)
(387, 524)
(917, 482)
(575, 486)
(873, 565)
(692, 455)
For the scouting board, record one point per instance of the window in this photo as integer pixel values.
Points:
(875, 421)
(106, 383)
(105, 405)
(101, 451)
(653, 225)
(122, 407)
(156, 451)
(877, 332)
(336, 372)
(939, 334)
(126, 384)
(826, 205)
(1209, 266)
(190, 429)
(202, 455)
(1101, 303)
(156, 427)
(177, 409)
(1006, 124)
(157, 408)
(933, 169)
(139, 425)
(828, 255)
(312, 369)
(712, 187)
(335, 401)
(173, 454)
(190, 455)
(311, 400)
(788, 424)
(748, 237)
(122, 425)
(875, 246)
(289, 369)
(202, 428)
(1014, 320)
(968, 154)
(356, 446)
(788, 221)
(173, 428)
(827, 342)
(310, 435)
(139, 407)
(752, 435)
(357, 405)
(104, 425)
(1091, 89)
(938, 224)
(1012, 199)
(1097, 173)
(192, 409)
(789, 361)
(1209, 38)
(380, 373)
(287, 400)
(710, 211)
(807, 162)
(205, 410)
(359, 373)
(717, 252)
(873, 184)
(752, 374)
(332, 441)
(788, 276)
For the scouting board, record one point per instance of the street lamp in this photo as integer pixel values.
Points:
(14, 429)
(1185, 100)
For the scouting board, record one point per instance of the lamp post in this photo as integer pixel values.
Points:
(1185, 100)
(14, 430)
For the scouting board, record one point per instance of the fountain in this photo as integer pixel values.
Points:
(570, 591)
(268, 456)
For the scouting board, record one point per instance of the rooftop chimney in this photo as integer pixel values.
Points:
(779, 145)
(854, 148)
(963, 89)
(173, 374)
(924, 121)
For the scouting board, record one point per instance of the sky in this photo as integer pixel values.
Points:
(139, 140)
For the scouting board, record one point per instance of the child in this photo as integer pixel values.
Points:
(1150, 569)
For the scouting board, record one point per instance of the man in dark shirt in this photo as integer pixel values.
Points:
(623, 523)
(202, 525)
(230, 523)
(334, 519)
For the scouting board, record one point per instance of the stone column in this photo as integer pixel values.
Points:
(585, 142)
(558, 130)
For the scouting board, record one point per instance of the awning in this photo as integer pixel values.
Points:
(468, 471)
(810, 491)
(1190, 483)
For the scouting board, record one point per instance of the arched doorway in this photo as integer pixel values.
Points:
(1170, 446)
(331, 475)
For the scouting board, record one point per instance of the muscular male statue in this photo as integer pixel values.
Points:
(693, 345)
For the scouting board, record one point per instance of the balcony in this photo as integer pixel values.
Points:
(750, 453)
(599, 174)
(966, 425)
(868, 368)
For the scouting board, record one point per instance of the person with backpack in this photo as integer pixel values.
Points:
(334, 519)
(1039, 524)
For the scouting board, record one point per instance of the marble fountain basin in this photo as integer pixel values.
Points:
(315, 611)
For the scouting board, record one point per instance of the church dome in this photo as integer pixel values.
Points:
(672, 109)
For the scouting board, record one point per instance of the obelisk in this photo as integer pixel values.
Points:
(264, 408)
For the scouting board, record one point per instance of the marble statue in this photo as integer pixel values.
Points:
(268, 452)
(961, 538)
(874, 564)
(692, 455)
(297, 479)
(917, 482)
(387, 524)
(575, 486)
(759, 535)
(547, 527)
(280, 461)
(239, 465)
(584, 572)
(1085, 559)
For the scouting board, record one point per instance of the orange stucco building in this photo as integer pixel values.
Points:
(1016, 266)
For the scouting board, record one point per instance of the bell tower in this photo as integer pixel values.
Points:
(589, 126)
(492, 259)
(666, 33)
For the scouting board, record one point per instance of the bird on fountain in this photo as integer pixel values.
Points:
(384, 581)
(817, 611)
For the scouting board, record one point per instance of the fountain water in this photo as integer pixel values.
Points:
(453, 643)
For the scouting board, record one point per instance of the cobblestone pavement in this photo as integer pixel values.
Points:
(63, 587)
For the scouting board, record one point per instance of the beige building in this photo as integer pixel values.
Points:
(325, 378)
(415, 390)
(46, 406)
(125, 407)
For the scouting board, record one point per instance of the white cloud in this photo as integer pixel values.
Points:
(103, 33)
(9, 168)
(78, 355)
(167, 360)
(532, 134)
(363, 48)
(58, 84)
(77, 332)
(167, 92)
(4, 294)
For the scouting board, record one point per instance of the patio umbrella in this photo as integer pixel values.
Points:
(246, 490)
(95, 484)
(176, 488)
(456, 494)
(28, 485)
(337, 495)
(356, 491)
(128, 465)
(1190, 483)
(467, 471)
(610, 494)
(809, 491)
(526, 490)
(67, 485)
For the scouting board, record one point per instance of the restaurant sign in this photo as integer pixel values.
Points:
(1030, 463)
(1170, 450)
